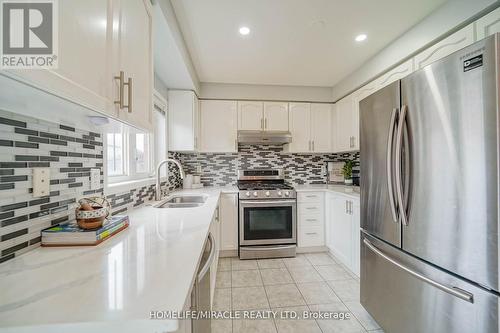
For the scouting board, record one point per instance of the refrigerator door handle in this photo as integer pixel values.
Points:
(399, 149)
(454, 291)
(389, 161)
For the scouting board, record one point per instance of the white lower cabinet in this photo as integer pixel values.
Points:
(229, 221)
(343, 229)
(311, 219)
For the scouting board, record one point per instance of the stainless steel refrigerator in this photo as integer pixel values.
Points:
(430, 196)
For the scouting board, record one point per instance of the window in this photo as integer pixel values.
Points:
(129, 154)
(115, 154)
(160, 137)
(132, 154)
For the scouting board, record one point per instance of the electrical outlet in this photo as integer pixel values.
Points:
(95, 179)
(198, 169)
(41, 182)
(323, 169)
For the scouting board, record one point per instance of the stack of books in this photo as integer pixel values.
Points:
(69, 234)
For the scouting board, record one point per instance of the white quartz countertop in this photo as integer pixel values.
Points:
(352, 191)
(112, 287)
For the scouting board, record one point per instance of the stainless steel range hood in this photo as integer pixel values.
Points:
(264, 137)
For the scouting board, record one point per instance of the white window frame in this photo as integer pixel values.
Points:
(131, 179)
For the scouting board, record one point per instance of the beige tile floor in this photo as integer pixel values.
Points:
(314, 282)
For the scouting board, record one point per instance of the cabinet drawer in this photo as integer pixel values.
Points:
(310, 197)
(307, 220)
(311, 236)
(310, 208)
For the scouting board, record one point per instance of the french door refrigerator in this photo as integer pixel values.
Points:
(430, 196)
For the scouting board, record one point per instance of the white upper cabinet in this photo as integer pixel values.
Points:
(488, 24)
(300, 127)
(321, 129)
(84, 74)
(97, 40)
(275, 116)
(218, 126)
(447, 46)
(183, 120)
(250, 115)
(311, 127)
(136, 61)
(391, 76)
(346, 129)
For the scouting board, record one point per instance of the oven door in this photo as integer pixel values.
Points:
(268, 222)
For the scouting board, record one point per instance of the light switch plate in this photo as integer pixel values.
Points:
(95, 179)
(41, 182)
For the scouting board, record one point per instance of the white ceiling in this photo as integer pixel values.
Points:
(292, 42)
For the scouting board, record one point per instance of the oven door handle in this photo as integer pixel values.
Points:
(268, 202)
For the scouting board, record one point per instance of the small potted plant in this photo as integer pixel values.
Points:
(347, 172)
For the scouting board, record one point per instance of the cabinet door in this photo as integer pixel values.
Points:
(455, 42)
(341, 231)
(219, 126)
(344, 124)
(85, 44)
(355, 236)
(357, 96)
(395, 74)
(135, 53)
(329, 221)
(300, 127)
(181, 120)
(321, 130)
(488, 24)
(275, 116)
(229, 221)
(251, 115)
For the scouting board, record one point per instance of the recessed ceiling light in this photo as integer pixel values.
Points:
(360, 38)
(244, 31)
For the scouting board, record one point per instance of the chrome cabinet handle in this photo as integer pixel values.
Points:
(312, 145)
(265, 123)
(211, 257)
(309, 142)
(389, 161)
(311, 233)
(311, 196)
(311, 208)
(130, 90)
(311, 220)
(262, 123)
(121, 88)
(346, 207)
(399, 185)
(457, 292)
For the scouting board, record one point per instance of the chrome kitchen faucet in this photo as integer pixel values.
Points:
(158, 182)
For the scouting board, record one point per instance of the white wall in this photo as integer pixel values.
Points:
(449, 17)
(265, 92)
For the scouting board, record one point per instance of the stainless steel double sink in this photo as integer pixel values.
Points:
(182, 201)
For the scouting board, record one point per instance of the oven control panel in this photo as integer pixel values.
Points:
(267, 194)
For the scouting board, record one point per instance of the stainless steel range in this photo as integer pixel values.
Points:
(267, 215)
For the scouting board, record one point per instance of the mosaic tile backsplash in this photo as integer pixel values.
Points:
(70, 153)
(220, 169)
